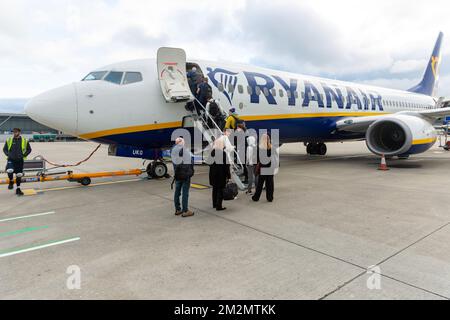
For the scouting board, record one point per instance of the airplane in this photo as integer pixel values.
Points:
(135, 106)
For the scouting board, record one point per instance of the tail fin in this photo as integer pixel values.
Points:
(428, 83)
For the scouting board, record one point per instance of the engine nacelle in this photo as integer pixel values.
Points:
(400, 135)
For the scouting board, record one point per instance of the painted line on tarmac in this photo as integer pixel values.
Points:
(12, 252)
(28, 216)
(90, 186)
(20, 231)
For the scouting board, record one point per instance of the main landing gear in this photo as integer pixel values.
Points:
(316, 148)
(157, 170)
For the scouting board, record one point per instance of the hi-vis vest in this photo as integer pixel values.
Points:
(9, 143)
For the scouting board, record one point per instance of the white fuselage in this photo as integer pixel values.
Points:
(303, 108)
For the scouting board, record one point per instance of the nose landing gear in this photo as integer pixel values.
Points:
(316, 149)
(157, 170)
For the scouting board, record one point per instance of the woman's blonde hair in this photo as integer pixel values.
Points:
(264, 142)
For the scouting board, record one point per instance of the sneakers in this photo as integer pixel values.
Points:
(187, 214)
(19, 192)
(10, 186)
(221, 209)
(179, 213)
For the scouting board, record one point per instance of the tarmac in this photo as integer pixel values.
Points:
(338, 229)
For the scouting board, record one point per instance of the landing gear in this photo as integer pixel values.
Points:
(157, 170)
(316, 148)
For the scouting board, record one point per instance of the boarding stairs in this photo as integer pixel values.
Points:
(210, 134)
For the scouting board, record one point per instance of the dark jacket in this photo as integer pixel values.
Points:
(16, 150)
(219, 173)
(184, 159)
(204, 91)
(267, 160)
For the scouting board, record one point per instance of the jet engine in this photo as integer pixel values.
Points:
(400, 135)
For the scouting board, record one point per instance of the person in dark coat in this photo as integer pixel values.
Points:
(265, 169)
(219, 174)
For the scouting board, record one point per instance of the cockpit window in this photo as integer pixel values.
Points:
(96, 75)
(114, 77)
(132, 77)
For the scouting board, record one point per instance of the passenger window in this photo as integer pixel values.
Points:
(289, 94)
(132, 77)
(240, 89)
(281, 93)
(249, 90)
(97, 75)
(258, 90)
(230, 88)
(266, 92)
(296, 94)
(220, 87)
(273, 92)
(114, 77)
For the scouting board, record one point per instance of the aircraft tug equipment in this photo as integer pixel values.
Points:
(83, 178)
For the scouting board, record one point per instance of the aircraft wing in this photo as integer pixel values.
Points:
(360, 124)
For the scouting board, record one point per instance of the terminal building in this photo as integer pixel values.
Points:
(30, 128)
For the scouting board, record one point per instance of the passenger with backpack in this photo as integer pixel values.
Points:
(183, 166)
(233, 120)
(215, 114)
(204, 93)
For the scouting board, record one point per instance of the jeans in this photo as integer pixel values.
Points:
(182, 187)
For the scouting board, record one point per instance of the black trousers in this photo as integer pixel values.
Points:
(270, 188)
(217, 197)
(17, 167)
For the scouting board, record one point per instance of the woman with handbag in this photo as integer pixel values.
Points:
(265, 169)
(219, 173)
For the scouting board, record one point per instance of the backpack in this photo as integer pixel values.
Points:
(213, 109)
(183, 171)
(238, 120)
(208, 92)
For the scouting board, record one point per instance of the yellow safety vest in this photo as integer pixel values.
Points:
(9, 143)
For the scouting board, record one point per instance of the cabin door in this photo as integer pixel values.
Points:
(172, 75)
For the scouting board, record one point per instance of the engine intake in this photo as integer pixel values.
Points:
(389, 137)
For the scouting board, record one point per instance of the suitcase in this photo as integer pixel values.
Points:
(230, 192)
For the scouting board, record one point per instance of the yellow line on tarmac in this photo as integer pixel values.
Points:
(90, 186)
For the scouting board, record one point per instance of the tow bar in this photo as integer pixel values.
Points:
(83, 178)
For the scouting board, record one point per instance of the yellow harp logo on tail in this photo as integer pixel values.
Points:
(434, 65)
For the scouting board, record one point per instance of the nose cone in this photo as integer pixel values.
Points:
(56, 109)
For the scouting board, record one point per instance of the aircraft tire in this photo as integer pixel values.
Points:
(157, 170)
(321, 149)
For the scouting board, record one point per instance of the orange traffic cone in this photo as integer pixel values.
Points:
(383, 165)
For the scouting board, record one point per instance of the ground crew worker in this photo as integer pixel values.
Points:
(232, 120)
(16, 149)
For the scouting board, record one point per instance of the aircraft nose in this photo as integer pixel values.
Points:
(56, 109)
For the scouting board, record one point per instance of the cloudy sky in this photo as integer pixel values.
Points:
(47, 43)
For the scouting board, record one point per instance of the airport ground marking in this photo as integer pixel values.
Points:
(90, 186)
(28, 216)
(15, 251)
(20, 231)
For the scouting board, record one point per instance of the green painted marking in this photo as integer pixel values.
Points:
(14, 251)
(20, 231)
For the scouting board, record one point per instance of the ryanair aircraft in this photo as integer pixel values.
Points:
(135, 107)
